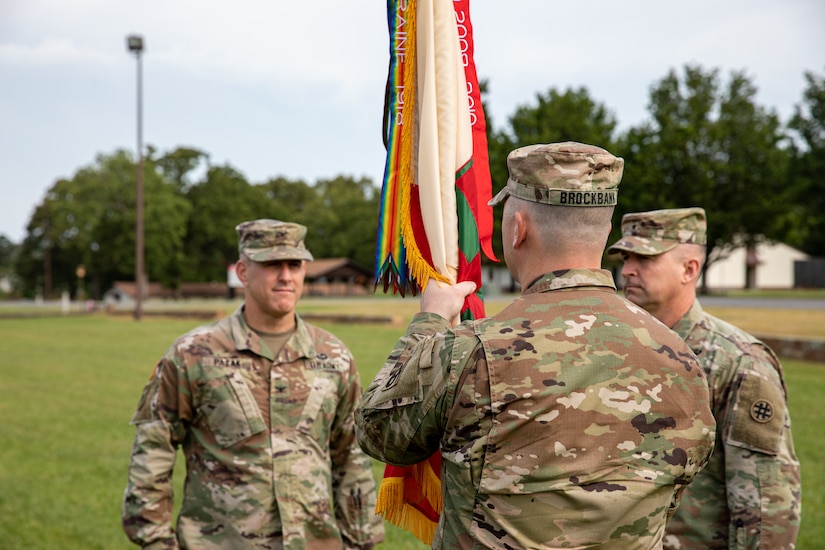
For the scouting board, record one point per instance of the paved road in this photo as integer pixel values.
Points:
(763, 303)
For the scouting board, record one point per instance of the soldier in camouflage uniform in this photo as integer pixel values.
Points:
(262, 405)
(749, 494)
(572, 418)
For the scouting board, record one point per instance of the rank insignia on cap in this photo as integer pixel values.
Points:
(762, 411)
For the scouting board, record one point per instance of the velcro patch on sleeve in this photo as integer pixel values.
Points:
(145, 411)
(403, 384)
(757, 417)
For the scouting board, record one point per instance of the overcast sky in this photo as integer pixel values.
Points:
(295, 88)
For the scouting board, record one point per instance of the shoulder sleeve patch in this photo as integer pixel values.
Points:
(757, 417)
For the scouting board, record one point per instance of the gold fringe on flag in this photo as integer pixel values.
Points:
(393, 504)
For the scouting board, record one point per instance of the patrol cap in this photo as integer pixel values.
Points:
(268, 240)
(657, 231)
(562, 174)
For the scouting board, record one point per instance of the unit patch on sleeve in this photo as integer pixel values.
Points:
(762, 411)
(757, 415)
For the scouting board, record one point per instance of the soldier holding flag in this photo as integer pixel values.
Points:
(572, 418)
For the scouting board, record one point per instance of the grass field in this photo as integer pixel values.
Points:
(70, 384)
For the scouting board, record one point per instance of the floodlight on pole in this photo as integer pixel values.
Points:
(134, 43)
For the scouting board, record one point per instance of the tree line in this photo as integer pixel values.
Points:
(707, 142)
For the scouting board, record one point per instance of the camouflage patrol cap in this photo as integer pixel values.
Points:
(269, 240)
(657, 231)
(562, 174)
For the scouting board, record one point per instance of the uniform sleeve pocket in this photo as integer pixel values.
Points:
(231, 411)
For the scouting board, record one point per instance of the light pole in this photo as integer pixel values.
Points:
(135, 44)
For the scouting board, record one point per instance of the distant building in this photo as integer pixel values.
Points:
(337, 277)
(6, 286)
(325, 277)
(771, 265)
(123, 293)
(809, 273)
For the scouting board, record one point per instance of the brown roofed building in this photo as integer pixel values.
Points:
(324, 277)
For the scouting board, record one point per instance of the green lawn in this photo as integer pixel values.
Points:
(70, 384)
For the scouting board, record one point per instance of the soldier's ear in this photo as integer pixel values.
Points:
(240, 271)
(519, 228)
(692, 268)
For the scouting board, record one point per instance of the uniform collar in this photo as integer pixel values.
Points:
(572, 278)
(246, 339)
(689, 320)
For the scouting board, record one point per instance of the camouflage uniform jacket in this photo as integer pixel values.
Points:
(269, 443)
(571, 419)
(749, 494)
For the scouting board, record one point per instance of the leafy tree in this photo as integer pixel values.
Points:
(34, 264)
(340, 214)
(89, 220)
(292, 200)
(177, 165)
(712, 147)
(7, 249)
(60, 233)
(808, 166)
(112, 248)
(571, 115)
(556, 116)
(345, 224)
(8, 252)
(167, 213)
(220, 202)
